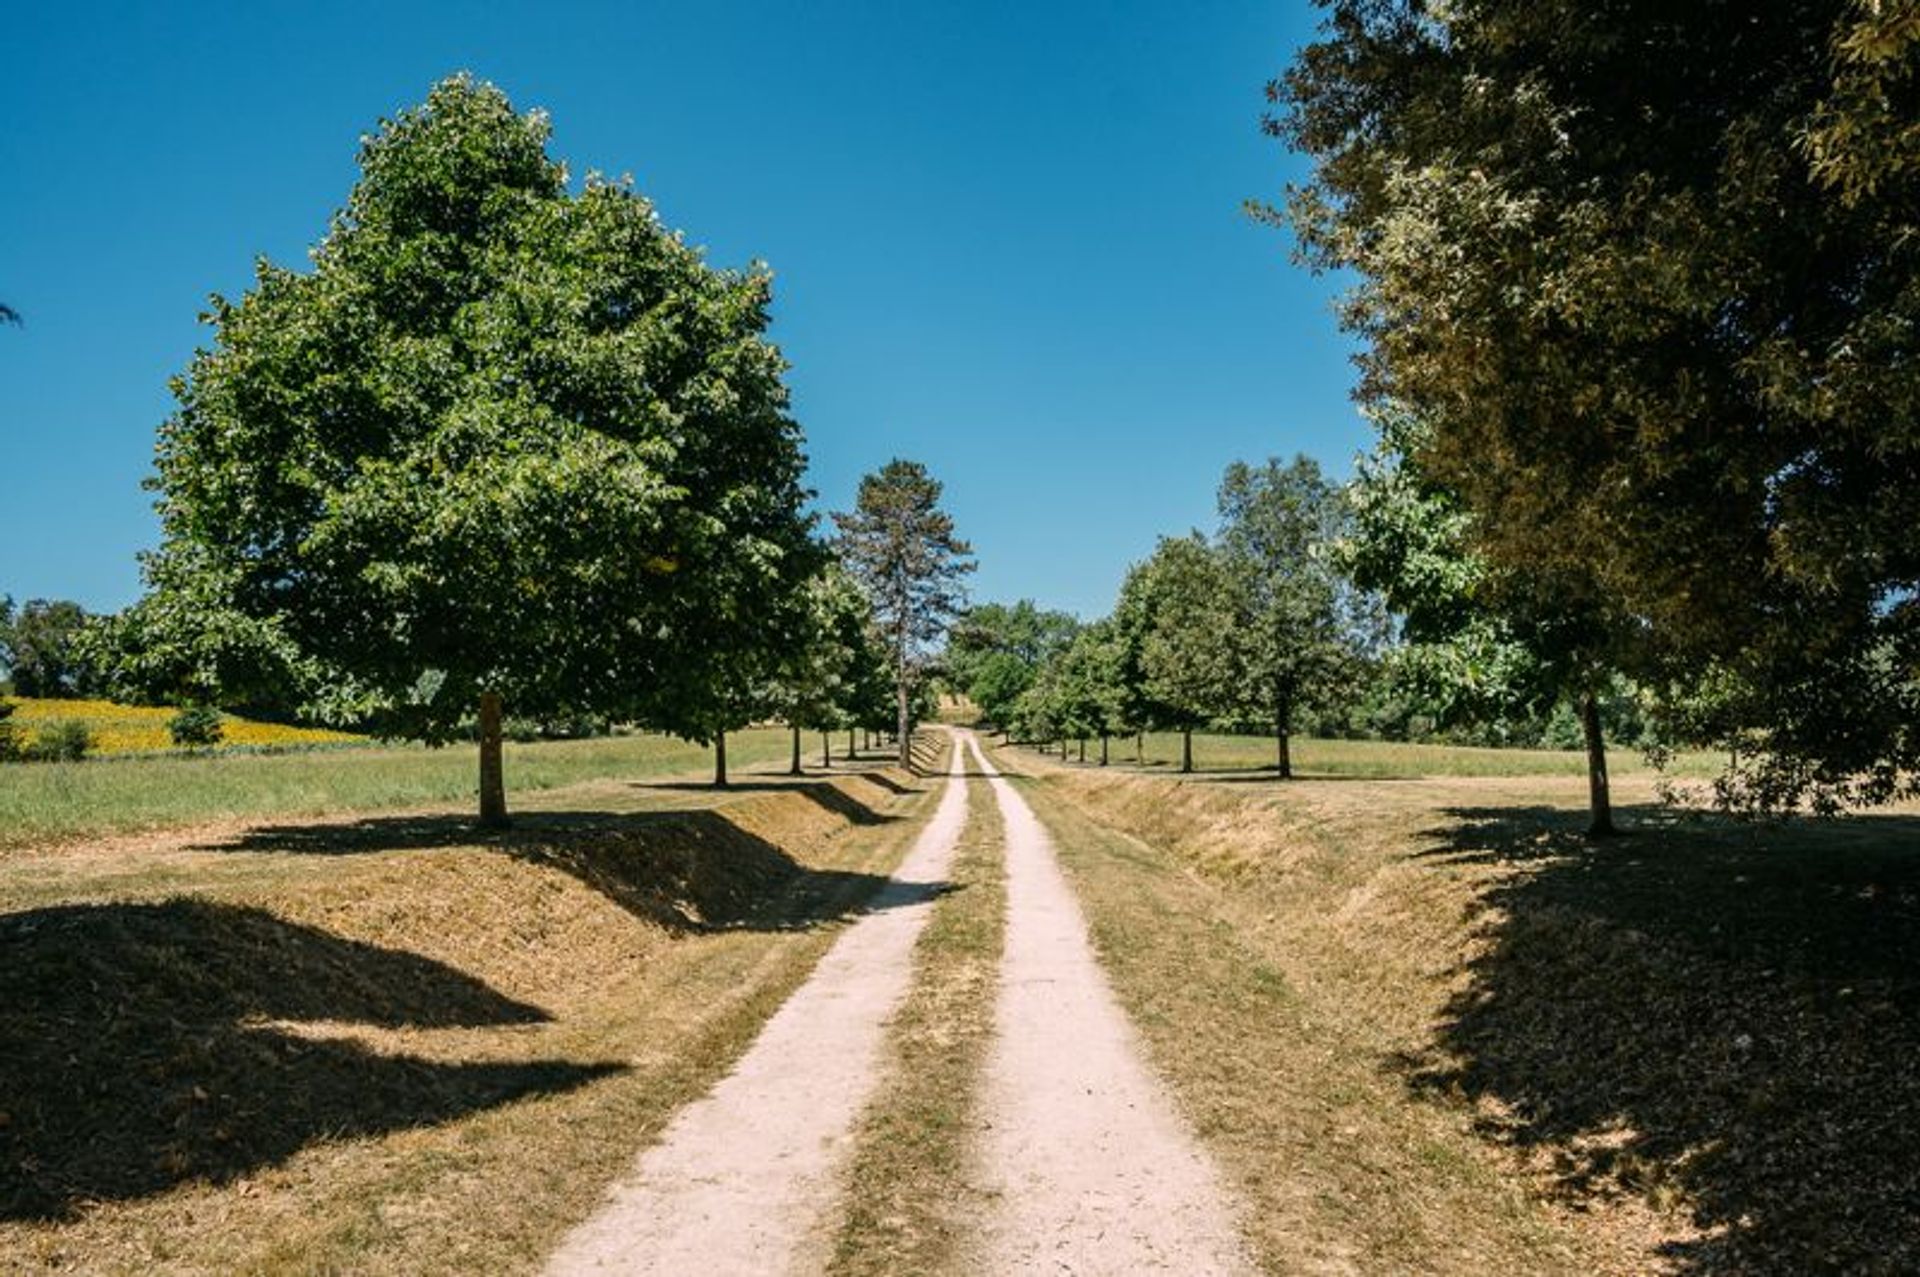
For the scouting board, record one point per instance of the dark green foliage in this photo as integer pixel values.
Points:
(41, 646)
(900, 546)
(196, 727)
(1648, 274)
(64, 740)
(501, 438)
(996, 650)
(9, 735)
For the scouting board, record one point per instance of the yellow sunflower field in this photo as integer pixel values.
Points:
(138, 729)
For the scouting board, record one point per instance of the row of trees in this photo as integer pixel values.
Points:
(1259, 624)
(508, 444)
(1637, 293)
(42, 649)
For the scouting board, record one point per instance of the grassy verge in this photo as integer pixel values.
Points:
(1213, 751)
(1274, 1030)
(46, 801)
(385, 1047)
(1432, 1028)
(905, 1205)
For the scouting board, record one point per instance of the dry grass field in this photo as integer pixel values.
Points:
(385, 1043)
(1430, 1028)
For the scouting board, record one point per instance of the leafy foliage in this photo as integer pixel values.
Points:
(900, 546)
(1648, 276)
(502, 437)
(40, 644)
(196, 727)
(996, 649)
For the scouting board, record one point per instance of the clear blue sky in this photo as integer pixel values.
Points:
(1007, 238)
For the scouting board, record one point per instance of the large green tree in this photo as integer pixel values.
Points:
(1296, 630)
(1175, 631)
(827, 676)
(504, 442)
(1482, 640)
(1648, 271)
(900, 545)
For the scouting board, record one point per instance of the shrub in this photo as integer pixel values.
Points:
(196, 727)
(64, 740)
(9, 743)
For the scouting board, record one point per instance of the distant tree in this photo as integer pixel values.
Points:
(822, 676)
(1280, 527)
(1485, 641)
(40, 643)
(1172, 612)
(995, 650)
(503, 444)
(1093, 698)
(1658, 320)
(900, 545)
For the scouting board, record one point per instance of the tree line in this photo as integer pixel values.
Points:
(1637, 296)
(511, 446)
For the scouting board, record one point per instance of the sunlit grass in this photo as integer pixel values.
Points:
(40, 801)
(1219, 752)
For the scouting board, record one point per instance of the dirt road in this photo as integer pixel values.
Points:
(1094, 1170)
(744, 1180)
(1089, 1167)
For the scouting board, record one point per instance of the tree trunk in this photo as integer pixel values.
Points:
(900, 689)
(720, 761)
(1186, 749)
(826, 749)
(1285, 754)
(795, 769)
(852, 752)
(1063, 749)
(1139, 748)
(1599, 798)
(493, 782)
(1103, 750)
(1083, 749)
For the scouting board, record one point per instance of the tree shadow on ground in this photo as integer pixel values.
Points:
(687, 871)
(822, 793)
(136, 1053)
(1723, 1016)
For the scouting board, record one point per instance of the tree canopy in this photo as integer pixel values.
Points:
(503, 439)
(1648, 275)
(900, 545)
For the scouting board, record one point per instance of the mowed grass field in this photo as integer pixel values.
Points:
(1214, 751)
(48, 801)
(1429, 1027)
(390, 1043)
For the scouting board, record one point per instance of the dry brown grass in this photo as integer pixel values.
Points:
(1431, 1028)
(1276, 954)
(386, 1044)
(906, 1203)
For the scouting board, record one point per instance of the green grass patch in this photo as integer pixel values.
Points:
(1214, 751)
(56, 801)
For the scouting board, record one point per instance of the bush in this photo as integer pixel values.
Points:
(196, 727)
(9, 743)
(65, 740)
